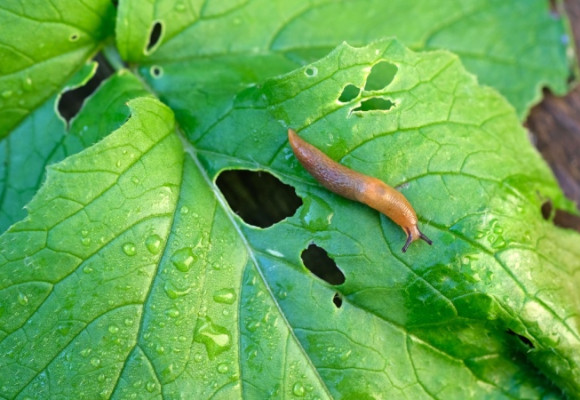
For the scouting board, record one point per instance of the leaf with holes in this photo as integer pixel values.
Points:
(44, 138)
(133, 277)
(41, 47)
(515, 46)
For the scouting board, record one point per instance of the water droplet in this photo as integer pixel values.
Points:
(135, 180)
(129, 322)
(298, 389)
(7, 93)
(129, 249)
(173, 292)
(150, 387)
(153, 244)
(216, 339)
(101, 378)
(198, 357)
(113, 329)
(95, 362)
(225, 296)
(223, 368)
(173, 313)
(27, 83)
(252, 325)
(22, 299)
(183, 259)
(85, 352)
(184, 209)
(160, 349)
(88, 270)
(86, 241)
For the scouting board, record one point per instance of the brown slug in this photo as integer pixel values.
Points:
(356, 186)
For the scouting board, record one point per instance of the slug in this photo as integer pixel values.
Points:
(356, 186)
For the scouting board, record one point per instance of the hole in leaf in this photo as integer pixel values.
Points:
(375, 103)
(317, 261)
(154, 36)
(382, 74)
(560, 218)
(311, 72)
(71, 101)
(349, 93)
(337, 300)
(523, 339)
(258, 197)
(156, 71)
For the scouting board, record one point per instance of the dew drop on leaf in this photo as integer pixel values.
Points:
(215, 338)
(225, 296)
(7, 93)
(150, 387)
(153, 243)
(298, 389)
(173, 313)
(173, 292)
(222, 368)
(129, 249)
(183, 259)
(22, 299)
(113, 329)
(95, 362)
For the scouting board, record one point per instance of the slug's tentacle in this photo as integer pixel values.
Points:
(356, 186)
(411, 238)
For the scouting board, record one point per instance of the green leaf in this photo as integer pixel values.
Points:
(144, 283)
(41, 46)
(42, 138)
(517, 47)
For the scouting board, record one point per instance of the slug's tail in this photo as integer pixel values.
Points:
(412, 236)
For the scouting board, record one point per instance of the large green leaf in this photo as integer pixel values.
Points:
(515, 46)
(41, 46)
(132, 277)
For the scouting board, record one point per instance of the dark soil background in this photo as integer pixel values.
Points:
(555, 128)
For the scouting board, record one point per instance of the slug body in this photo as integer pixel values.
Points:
(356, 186)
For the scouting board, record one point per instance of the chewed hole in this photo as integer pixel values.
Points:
(311, 72)
(154, 36)
(258, 197)
(337, 300)
(523, 339)
(350, 92)
(382, 74)
(156, 71)
(375, 103)
(317, 261)
(71, 101)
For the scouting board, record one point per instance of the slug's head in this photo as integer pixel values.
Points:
(413, 233)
